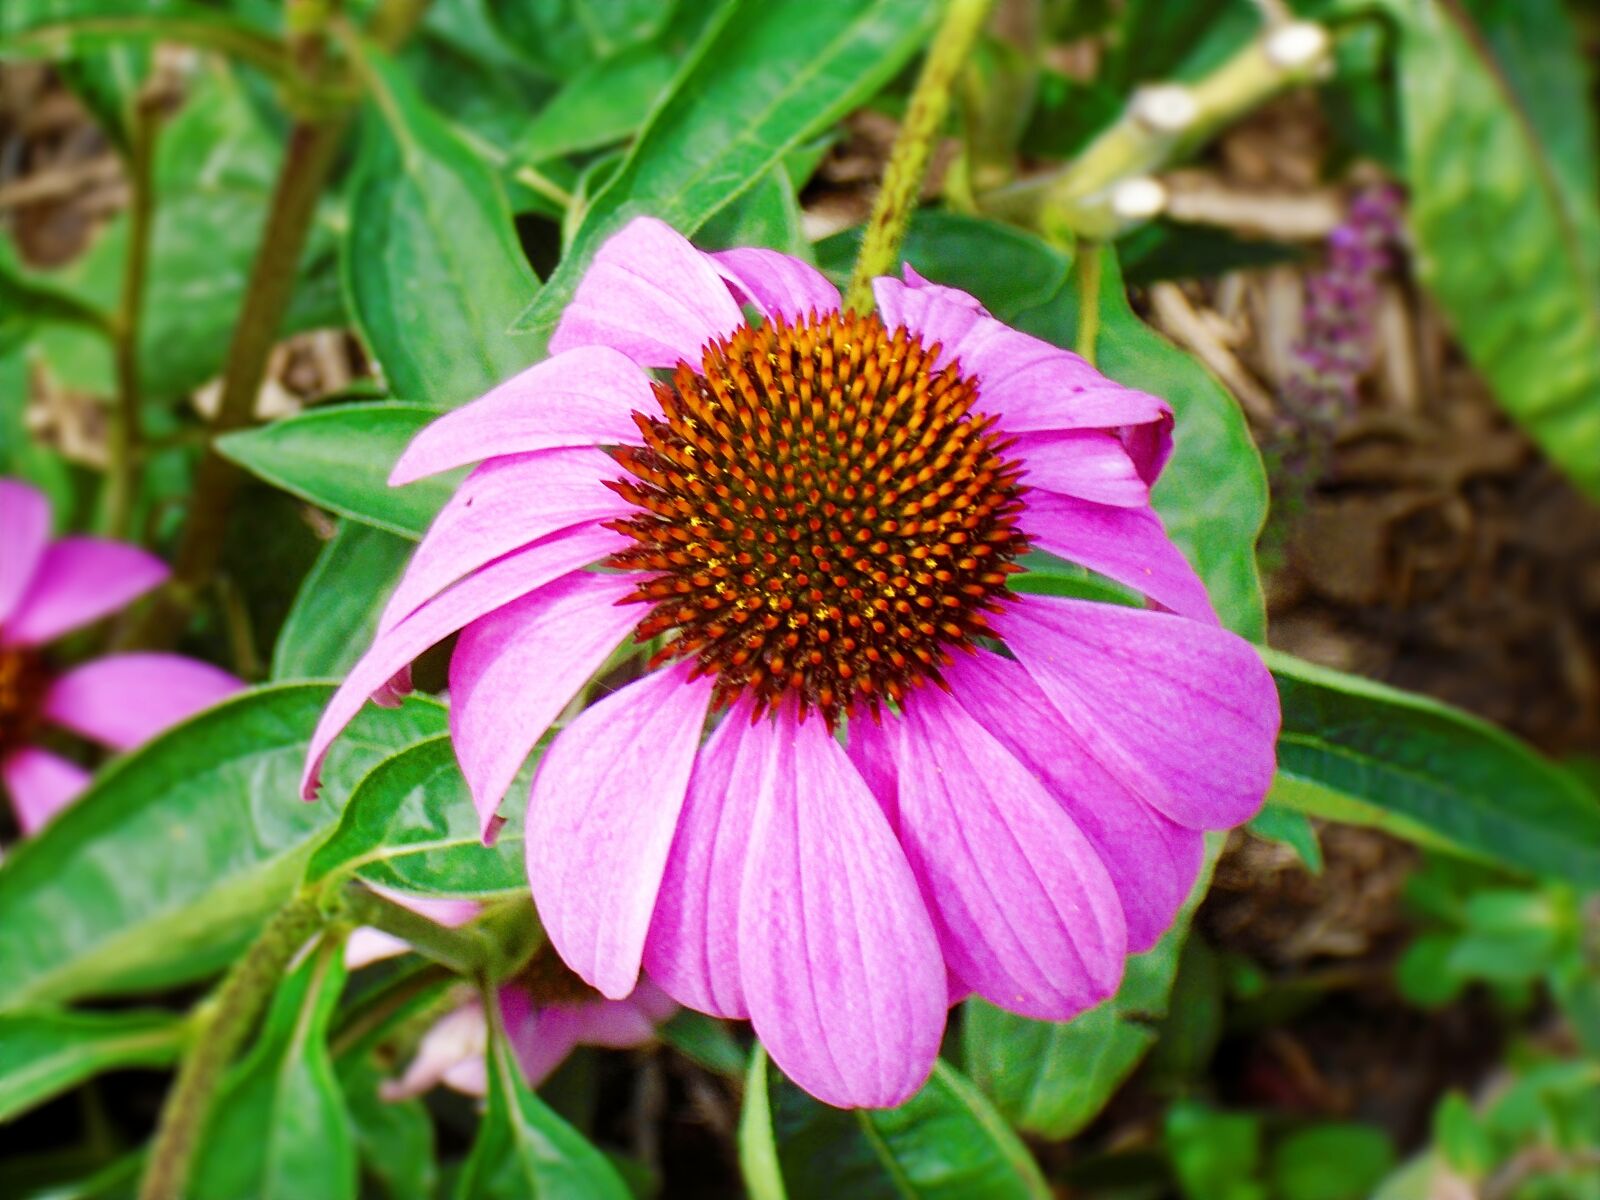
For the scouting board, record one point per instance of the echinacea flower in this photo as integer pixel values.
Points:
(548, 1012)
(48, 588)
(812, 521)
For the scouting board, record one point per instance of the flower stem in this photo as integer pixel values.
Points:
(461, 950)
(219, 1030)
(124, 441)
(913, 146)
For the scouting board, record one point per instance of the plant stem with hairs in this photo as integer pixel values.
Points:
(218, 1030)
(913, 146)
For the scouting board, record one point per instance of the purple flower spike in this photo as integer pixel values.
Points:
(860, 777)
(51, 588)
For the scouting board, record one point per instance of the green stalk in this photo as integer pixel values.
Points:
(124, 441)
(219, 1028)
(913, 146)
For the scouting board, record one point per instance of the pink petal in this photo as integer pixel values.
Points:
(615, 1024)
(870, 746)
(1087, 463)
(651, 295)
(80, 580)
(1029, 384)
(584, 397)
(41, 785)
(446, 1055)
(917, 280)
(125, 700)
(499, 583)
(1027, 913)
(840, 961)
(541, 1038)
(1129, 545)
(504, 505)
(693, 947)
(601, 818)
(1152, 861)
(652, 1001)
(514, 670)
(366, 946)
(24, 532)
(1181, 713)
(780, 285)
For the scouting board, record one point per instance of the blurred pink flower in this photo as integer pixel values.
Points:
(48, 588)
(819, 511)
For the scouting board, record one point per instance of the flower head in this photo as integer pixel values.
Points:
(49, 588)
(858, 776)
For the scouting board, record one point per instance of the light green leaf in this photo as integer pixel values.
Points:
(524, 1150)
(1053, 1078)
(1355, 751)
(432, 263)
(281, 1130)
(946, 1141)
(176, 855)
(410, 825)
(336, 611)
(766, 75)
(1503, 215)
(45, 1053)
(339, 458)
(1291, 828)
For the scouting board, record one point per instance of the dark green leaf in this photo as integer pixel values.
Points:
(1163, 41)
(44, 1053)
(336, 610)
(432, 262)
(1167, 250)
(1504, 216)
(394, 1137)
(166, 867)
(1053, 1078)
(524, 1150)
(280, 1130)
(600, 106)
(946, 1141)
(767, 75)
(410, 825)
(562, 37)
(767, 215)
(339, 458)
(1355, 751)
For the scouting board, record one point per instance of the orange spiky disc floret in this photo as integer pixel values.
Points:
(824, 517)
(23, 683)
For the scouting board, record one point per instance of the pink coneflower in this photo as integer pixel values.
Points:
(51, 588)
(810, 520)
(548, 1012)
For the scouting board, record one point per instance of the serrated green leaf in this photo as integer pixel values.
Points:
(432, 262)
(339, 458)
(176, 855)
(1053, 1078)
(946, 1141)
(410, 825)
(524, 1150)
(1506, 231)
(336, 611)
(45, 1053)
(280, 1130)
(1355, 751)
(767, 74)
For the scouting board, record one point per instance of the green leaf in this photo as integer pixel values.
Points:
(43, 1054)
(60, 28)
(28, 299)
(339, 458)
(600, 106)
(1355, 751)
(176, 855)
(1339, 1160)
(1215, 1155)
(946, 1141)
(1290, 828)
(1053, 1078)
(524, 1150)
(767, 215)
(394, 1137)
(410, 825)
(281, 1130)
(336, 611)
(767, 74)
(21, 455)
(1504, 217)
(562, 37)
(1213, 494)
(432, 263)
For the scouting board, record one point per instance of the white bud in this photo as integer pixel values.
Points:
(1165, 107)
(1295, 46)
(1138, 199)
